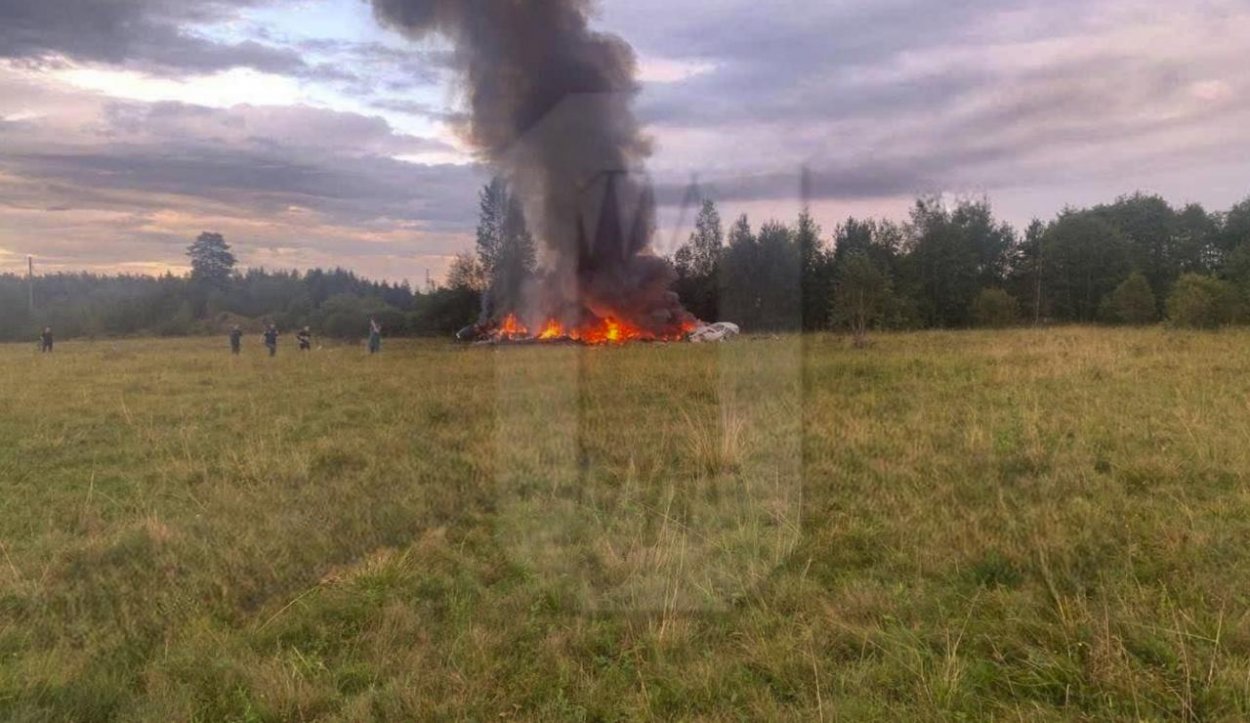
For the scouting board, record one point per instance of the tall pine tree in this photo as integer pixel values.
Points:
(505, 247)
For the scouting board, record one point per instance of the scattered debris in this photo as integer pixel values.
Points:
(719, 331)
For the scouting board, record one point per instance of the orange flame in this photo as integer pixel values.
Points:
(512, 328)
(552, 330)
(607, 330)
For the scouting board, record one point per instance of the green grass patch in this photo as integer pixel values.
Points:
(1035, 525)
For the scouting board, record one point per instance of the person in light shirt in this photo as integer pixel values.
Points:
(375, 336)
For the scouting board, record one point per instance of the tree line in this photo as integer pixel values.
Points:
(949, 265)
(215, 296)
(335, 303)
(954, 265)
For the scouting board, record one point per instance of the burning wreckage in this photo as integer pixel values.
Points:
(605, 287)
(602, 331)
(551, 112)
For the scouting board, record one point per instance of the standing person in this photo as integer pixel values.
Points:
(375, 336)
(271, 339)
(45, 340)
(236, 340)
(305, 339)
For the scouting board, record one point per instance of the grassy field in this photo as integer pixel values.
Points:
(1020, 525)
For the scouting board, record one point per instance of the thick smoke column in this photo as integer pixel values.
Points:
(551, 110)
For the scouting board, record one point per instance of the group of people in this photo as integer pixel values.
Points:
(303, 336)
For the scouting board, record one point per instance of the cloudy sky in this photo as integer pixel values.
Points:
(312, 137)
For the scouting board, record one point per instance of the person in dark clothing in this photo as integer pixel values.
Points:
(305, 339)
(271, 339)
(45, 340)
(236, 340)
(375, 336)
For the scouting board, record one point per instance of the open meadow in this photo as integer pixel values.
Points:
(1019, 525)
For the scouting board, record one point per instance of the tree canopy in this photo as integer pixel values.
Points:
(951, 264)
(212, 263)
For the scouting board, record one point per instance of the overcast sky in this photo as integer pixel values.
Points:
(309, 136)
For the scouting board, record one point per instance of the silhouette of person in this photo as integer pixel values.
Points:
(271, 339)
(375, 336)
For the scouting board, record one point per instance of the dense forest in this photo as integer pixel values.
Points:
(335, 303)
(950, 265)
(1135, 261)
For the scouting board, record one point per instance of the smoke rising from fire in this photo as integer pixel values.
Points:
(550, 106)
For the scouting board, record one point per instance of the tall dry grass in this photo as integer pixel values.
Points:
(1035, 525)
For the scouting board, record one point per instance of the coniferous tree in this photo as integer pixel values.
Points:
(505, 247)
(699, 264)
(738, 298)
(516, 258)
(778, 278)
(492, 216)
(212, 262)
(707, 242)
(1032, 262)
(816, 272)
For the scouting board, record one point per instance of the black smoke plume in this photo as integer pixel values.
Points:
(551, 109)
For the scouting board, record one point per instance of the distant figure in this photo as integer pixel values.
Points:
(305, 339)
(45, 340)
(236, 340)
(271, 339)
(375, 336)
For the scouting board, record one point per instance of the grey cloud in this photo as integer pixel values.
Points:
(159, 37)
(260, 160)
(808, 62)
(895, 98)
(148, 34)
(350, 191)
(879, 98)
(368, 68)
(409, 107)
(787, 40)
(296, 129)
(421, 110)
